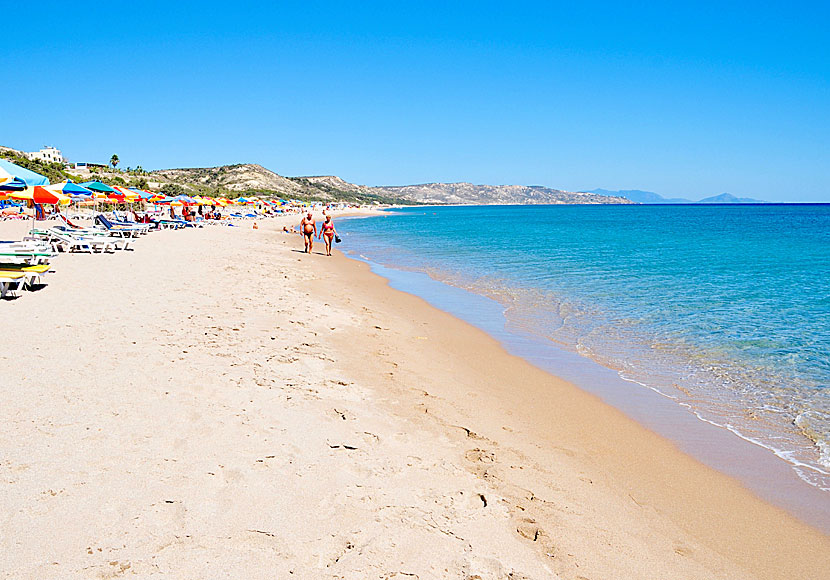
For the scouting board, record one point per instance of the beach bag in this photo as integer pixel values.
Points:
(337, 239)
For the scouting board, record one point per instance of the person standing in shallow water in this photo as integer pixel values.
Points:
(327, 232)
(309, 228)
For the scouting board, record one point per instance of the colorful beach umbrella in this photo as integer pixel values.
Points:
(127, 194)
(39, 194)
(142, 194)
(71, 189)
(11, 183)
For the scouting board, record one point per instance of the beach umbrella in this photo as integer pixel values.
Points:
(97, 186)
(144, 195)
(73, 190)
(11, 183)
(39, 194)
(129, 195)
(116, 197)
(16, 173)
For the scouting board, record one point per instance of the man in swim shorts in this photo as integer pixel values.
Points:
(309, 229)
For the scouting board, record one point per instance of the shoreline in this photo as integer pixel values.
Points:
(754, 464)
(292, 413)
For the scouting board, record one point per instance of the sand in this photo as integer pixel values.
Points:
(218, 404)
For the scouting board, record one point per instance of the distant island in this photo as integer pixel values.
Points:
(649, 197)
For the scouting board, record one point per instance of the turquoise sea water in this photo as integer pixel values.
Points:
(725, 309)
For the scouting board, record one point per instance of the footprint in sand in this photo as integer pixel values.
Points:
(480, 456)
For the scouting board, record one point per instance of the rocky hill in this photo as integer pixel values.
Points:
(253, 179)
(335, 183)
(249, 178)
(241, 177)
(467, 193)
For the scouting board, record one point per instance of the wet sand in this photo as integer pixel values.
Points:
(219, 403)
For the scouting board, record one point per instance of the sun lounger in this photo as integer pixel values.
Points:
(69, 243)
(33, 273)
(169, 224)
(27, 257)
(11, 279)
(189, 224)
(26, 245)
(120, 243)
(58, 236)
(121, 229)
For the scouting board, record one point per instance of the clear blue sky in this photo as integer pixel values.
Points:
(691, 101)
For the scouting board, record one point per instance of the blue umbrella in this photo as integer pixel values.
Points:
(73, 190)
(29, 178)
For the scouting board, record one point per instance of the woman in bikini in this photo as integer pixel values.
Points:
(328, 232)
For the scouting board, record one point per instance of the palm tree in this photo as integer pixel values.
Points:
(114, 160)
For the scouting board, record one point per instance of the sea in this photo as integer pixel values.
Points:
(721, 310)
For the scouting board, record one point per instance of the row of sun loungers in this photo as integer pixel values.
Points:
(23, 264)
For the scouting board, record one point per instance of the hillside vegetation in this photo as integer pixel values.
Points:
(246, 179)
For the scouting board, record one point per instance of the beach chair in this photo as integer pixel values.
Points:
(10, 281)
(68, 243)
(28, 244)
(122, 230)
(25, 256)
(171, 224)
(32, 274)
(189, 224)
(118, 243)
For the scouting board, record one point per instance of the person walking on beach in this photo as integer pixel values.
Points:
(327, 232)
(309, 228)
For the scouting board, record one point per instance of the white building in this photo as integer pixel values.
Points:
(47, 154)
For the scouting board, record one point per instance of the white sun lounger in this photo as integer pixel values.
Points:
(80, 244)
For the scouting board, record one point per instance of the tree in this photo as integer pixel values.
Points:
(114, 160)
(172, 189)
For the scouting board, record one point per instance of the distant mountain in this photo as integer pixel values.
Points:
(470, 194)
(729, 198)
(640, 196)
(649, 197)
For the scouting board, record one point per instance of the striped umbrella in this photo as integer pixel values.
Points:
(39, 194)
(73, 190)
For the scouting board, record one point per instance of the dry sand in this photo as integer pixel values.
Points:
(218, 404)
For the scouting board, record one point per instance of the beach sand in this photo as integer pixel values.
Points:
(218, 404)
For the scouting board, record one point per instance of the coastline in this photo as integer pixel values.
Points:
(757, 466)
(354, 426)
